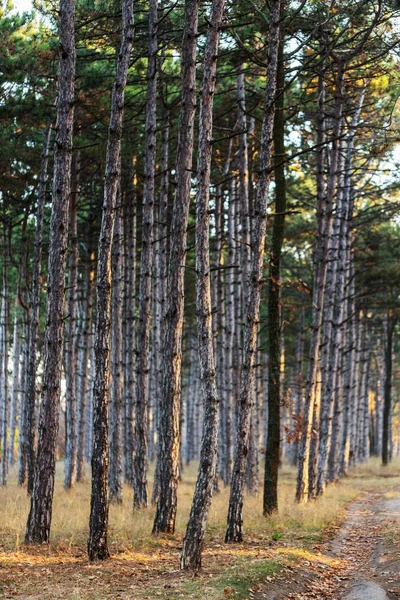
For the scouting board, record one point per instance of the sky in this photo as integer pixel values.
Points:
(21, 5)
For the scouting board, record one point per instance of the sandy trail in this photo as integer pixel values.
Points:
(362, 562)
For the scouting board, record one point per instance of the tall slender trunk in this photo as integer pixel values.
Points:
(270, 503)
(160, 299)
(229, 342)
(98, 523)
(298, 386)
(4, 370)
(70, 334)
(39, 520)
(115, 472)
(130, 219)
(172, 348)
(195, 531)
(84, 366)
(387, 402)
(29, 416)
(252, 312)
(324, 226)
(146, 262)
(362, 387)
(243, 191)
(355, 388)
(22, 448)
(89, 410)
(15, 393)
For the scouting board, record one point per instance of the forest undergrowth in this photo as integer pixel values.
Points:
(143, 566)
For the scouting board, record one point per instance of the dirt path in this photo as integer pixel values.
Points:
(362, 562)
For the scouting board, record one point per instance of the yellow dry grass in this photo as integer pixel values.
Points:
(296, 530)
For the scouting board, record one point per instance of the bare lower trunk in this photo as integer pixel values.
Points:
(83, 390)
(98, 523)
(4, 371)
(22, 407)
(140, 499)
(270, 503)
(15, 393)
(29, 412)
(252, 312)
(39, 520)
(229, 343)
(391, 323)
(161, 297)
(115, 472)
(71, 337)
(324, 225)
(195, 531)
(172, 349)
(130, 219)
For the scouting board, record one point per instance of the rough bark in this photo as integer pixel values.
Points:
(270, 502)
(98, 523)
(195, 531)
(140, 499)
(172, 349)
(387, 399)
(252, 312)
(70, 335)
(15, 392)
(324, 225)
(84, 368)
(5, 400)
(115, 472)
(229, 343)
(160, 298)
(29, 412)
(130, 219)
(39, 520)
(22, 471)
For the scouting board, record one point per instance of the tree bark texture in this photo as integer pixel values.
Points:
(29, 415)
(270, 502)
(115, 472)
(195, 531)
(71, 334)
(234, 531)
(140, 498)
(324, 226)
(172, 347)
(39, 519)
(98, 523)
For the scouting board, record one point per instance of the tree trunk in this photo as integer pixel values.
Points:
(130, 219)
(15, 393)
(70, 334)
(324, 226)
(146, 262)
(172, 349)
(83, 389)
(98, 524)
(160, 298)
(115, 472)
(22, 458)
(387, 401)
(229, 342)
(195, 531)
(270, 502)
(29, 412)
(235, 513)
(39, 520)
(4, 370)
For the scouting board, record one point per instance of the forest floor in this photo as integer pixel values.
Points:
(327, 549)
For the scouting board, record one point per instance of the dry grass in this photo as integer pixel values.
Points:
(149, 565)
